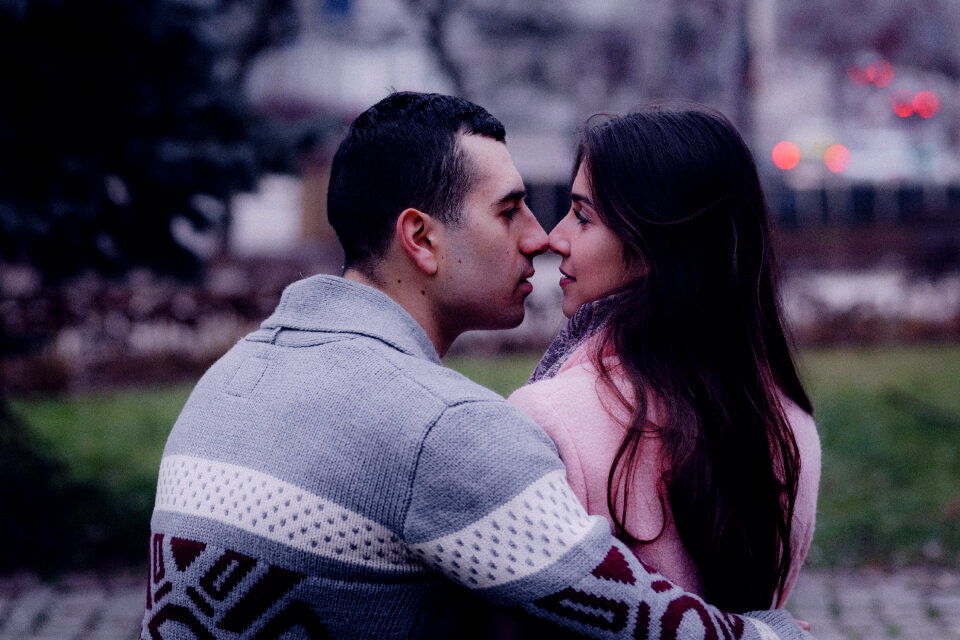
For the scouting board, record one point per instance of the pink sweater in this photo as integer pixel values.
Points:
(586, 423)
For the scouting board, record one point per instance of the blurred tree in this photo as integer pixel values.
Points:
(245, 28)
(437, 14)
(709, 57)
(920, 33)
(124, 130)
(508, 55)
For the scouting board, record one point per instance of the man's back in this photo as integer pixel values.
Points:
(320, 461)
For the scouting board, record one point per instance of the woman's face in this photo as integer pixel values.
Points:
(593, 262)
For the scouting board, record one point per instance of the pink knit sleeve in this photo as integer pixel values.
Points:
(805, 511)
(536, 401)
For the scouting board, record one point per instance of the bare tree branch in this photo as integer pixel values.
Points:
(437, 14)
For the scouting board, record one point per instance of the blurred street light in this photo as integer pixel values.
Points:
(926, 104)
(902, 102)
(837, 158)
(878, 73)
(786, 155)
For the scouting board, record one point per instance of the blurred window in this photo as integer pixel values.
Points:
(337, 8)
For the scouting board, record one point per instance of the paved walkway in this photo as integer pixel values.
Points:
(854, 605)
(74, 607)
(861, 605)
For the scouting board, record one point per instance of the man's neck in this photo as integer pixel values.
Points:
(413, 298)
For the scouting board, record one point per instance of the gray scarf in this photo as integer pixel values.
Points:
(587, 321)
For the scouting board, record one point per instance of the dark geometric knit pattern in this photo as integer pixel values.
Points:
(222, 591)
(329, 478)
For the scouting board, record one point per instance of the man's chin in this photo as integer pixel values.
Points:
(513, 320)
(502, 322)
(510, 323)
(513, 324)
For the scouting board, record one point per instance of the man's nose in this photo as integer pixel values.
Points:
(534, 240)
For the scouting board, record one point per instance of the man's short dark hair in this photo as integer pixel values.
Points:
(400, 153)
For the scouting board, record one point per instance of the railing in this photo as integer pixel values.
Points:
(852, 205)
(862, 205)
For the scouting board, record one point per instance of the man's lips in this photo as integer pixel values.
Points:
(525, 285)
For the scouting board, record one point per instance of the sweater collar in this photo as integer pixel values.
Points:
(334, 304)
(586, 322)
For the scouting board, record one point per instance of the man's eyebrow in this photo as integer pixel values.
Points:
(516, 194)
(579, 197)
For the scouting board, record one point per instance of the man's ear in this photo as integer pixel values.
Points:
(416, 235)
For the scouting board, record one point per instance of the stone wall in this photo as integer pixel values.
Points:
(93, 333)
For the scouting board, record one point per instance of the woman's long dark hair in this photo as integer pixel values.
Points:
(701, 336)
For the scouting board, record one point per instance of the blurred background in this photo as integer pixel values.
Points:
(163, 168)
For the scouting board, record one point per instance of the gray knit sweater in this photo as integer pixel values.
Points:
(328, 477)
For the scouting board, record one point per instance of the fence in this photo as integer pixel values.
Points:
(849, 205)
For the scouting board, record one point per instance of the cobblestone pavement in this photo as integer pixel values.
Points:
(839, 604)
(860, 605)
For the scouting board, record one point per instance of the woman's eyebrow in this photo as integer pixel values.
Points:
(579, 197)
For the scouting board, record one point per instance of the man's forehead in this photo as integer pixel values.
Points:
(495, 178)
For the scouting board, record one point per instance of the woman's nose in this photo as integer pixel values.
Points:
(559, 243)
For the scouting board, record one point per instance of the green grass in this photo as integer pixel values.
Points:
(889, 421)
(503, 374)
(111, 439)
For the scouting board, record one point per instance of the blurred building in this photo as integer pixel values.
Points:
(542, 66)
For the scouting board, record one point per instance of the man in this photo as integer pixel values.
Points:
(328, 477)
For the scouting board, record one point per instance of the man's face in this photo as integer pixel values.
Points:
(487, 259)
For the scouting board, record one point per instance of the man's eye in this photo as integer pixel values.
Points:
(509, 213)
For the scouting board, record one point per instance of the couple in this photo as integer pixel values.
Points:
(329, 478)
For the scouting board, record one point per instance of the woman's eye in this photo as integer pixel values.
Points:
(581, 218)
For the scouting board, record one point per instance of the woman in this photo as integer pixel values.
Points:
(671, 393)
